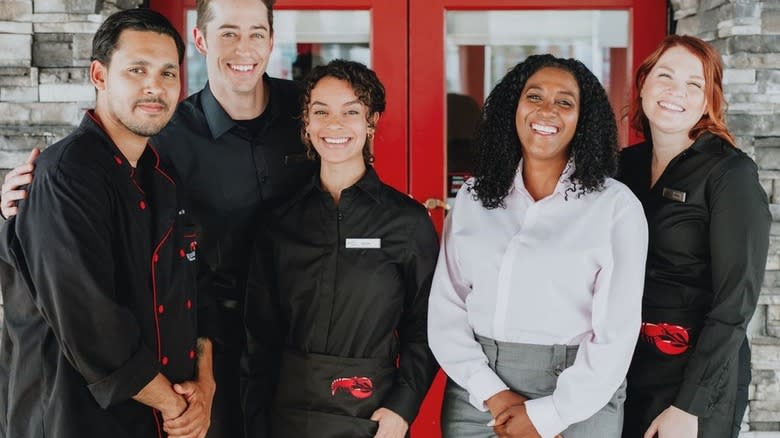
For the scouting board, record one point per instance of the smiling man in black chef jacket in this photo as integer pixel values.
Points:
(102, 335)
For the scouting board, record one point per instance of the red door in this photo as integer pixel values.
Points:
(438, 60)
(386, 37)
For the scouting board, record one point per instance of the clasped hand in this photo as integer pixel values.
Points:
(194, 422)
(510, 417)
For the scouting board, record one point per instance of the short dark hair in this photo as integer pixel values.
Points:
(594, 146)
(364, 82)
(107, 36)
(204, 14)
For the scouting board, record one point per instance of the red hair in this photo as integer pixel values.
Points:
(714, 118)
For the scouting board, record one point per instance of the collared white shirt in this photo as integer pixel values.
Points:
(566, 269)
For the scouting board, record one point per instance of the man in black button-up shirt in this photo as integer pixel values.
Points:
(236, 147)
(231, 171)
(101, 312)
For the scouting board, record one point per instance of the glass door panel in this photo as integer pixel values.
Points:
(302, 40)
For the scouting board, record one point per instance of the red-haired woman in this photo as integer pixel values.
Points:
(709, 223)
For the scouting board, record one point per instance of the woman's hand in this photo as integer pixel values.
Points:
(674, 423)
(514, 423)
(391, 425)
(502, 401)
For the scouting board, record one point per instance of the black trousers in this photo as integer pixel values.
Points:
(653, 384)
(226, 415)
(743, 382)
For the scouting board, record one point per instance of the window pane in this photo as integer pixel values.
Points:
(302, 40)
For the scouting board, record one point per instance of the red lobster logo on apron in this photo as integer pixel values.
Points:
(358, 387)
(668, 338)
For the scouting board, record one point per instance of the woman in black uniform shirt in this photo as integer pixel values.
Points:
(709, 224)
(338, 288)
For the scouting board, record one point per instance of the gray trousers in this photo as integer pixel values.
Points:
(532, 371)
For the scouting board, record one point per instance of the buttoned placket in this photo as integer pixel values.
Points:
(532, 216)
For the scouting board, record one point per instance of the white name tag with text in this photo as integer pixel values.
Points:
(364, 243)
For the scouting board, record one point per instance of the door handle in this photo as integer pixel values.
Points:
(433, 203)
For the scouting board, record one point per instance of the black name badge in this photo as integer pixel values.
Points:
(674, 195)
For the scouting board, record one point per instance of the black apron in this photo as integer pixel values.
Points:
(666, 341)
(326, 396)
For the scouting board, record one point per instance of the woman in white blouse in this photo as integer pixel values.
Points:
(535, 305)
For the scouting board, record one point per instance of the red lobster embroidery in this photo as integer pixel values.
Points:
(668, 338)
(359, 387)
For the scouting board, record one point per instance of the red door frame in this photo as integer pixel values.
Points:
(427, 112)
(389, 33)
(416, 109)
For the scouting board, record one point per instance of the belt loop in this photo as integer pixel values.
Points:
(559, 359)
(494, 359)
(490, 347)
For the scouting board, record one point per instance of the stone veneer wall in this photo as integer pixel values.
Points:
(45, 46)
(747, 34)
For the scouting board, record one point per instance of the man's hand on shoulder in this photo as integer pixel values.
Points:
(16, 178)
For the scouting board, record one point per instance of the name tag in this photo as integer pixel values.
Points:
(364, 243)
(674, 195)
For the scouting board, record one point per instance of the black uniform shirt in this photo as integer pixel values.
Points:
(708, 221)
(230, 170)
(102, 296)
(350, 281)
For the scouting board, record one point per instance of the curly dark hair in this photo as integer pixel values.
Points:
(366, 85)
(498, 146)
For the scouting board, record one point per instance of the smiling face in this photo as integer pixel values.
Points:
(673, 94)
(547, 114)
(139, 88)
(337, 123)
(237, 43)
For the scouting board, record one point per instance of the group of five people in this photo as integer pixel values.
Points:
(320, 287)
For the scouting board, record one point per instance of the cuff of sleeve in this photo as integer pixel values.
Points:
(544, 416)
(127, 381)
(695, 400)
(483, 385)
(404, 402)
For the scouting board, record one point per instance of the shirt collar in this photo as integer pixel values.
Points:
(149, 158)
(565, 185)
(219, 120)
(369, 183)
(709, 143)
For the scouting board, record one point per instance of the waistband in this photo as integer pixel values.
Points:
(556, 357)
(685, 317)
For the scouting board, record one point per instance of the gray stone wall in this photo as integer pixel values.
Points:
(747, 34)
(44, 88)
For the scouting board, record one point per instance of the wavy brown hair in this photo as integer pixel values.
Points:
(714, 118)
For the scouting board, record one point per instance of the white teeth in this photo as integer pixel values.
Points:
(336, 140)
(544, 128)
(671, 106)
(243, 68)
